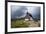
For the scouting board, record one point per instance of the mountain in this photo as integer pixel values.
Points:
(20, 12)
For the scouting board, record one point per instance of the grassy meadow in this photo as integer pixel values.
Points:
(20, 23)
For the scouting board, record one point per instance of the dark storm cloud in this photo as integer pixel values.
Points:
(19, 11)
(36, 12)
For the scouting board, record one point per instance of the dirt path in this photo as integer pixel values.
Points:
(33, 23)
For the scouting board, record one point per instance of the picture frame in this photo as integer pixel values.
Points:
(23, 3)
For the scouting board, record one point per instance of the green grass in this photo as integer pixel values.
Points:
(18, 23)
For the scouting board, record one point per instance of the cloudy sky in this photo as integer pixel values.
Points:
(20, 11)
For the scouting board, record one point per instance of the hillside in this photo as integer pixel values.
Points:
(22, 23)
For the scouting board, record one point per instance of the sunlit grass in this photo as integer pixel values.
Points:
(19, 23)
